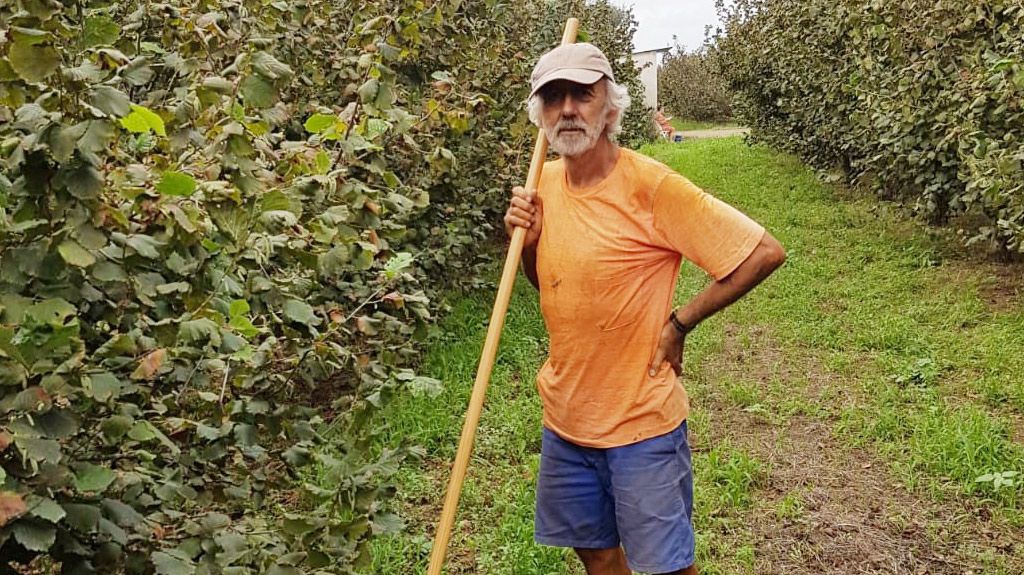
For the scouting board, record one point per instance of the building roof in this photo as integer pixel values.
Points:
(654, 50)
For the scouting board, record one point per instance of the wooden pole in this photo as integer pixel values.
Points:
(483, 372)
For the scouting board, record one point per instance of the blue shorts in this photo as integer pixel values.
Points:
(638, 495)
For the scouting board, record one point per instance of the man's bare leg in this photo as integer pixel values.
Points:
(613, 562)
(604, 561)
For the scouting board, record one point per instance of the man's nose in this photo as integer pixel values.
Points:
(569, 105)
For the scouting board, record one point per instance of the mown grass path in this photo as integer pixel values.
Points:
(843, 412)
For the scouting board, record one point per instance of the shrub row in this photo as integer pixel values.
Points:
(921, 100)
(217, 218)
(691, 87)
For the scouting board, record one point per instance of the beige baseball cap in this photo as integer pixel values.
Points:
(582, 63)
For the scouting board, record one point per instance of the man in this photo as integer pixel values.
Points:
(662, 121)
(605, 236)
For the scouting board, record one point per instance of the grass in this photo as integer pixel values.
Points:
(689, 125)
(873, 292)
(877, 327)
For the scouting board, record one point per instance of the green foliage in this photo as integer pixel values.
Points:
(920, 100)
(691, 87)
(215, 220)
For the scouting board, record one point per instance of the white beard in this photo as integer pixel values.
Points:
(573, 144)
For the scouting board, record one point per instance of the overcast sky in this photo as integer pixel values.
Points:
(660, 19)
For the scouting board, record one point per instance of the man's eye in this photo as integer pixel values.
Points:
(550, 97)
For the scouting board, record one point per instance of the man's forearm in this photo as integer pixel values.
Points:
(768, 256)
(529, 265)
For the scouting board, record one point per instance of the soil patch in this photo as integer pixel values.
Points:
(829, 508)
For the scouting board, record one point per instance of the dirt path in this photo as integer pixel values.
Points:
(719, 133)
(826, 507)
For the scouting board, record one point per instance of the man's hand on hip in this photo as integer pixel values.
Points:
(670, 349)
(524, 211)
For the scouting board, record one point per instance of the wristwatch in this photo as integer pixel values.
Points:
(678, 324)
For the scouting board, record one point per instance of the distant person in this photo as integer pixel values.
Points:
(664, 126)
(605, 236)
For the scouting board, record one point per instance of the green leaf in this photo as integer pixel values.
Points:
(97, 136)
(116, 426)
(145, 246)
(375, 127)
(238, 308)
(142, 120)
(387, 523)
(29, 36)
(425, 386)
(397, 264)
(300, 312)
(100, 31)
(319, 122)
(54, 311)
(335, 262)
(75, 254)
(87, 71)
(64, 138)
(107, 271)
(36, 449)
(102, 386)
(173, 287)
(323, 163)
(176, 184)
(142, 431)
(138, 72)
(177, 564)
(243, 326)
(84, 182)
(110, 100)
(368, 91)
(121, 513)
(199, 331)
(83, 518)
(270, 67)
(258, 92)
(218, 84)
(34, 535)
(45, 508)
(94, 478)
(32, 62)
(362, 258)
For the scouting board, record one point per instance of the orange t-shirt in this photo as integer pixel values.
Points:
(607, 263)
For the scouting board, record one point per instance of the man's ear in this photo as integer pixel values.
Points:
(612, 116)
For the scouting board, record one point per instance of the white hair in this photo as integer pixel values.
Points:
(618, 100)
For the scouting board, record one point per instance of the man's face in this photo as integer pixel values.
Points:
(574, 115)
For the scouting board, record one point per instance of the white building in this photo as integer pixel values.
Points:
(647, 62)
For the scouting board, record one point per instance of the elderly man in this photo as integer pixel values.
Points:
(606, 232)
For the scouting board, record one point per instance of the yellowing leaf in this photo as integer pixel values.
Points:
(142, 120)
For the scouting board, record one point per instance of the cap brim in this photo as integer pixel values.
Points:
(571, 74)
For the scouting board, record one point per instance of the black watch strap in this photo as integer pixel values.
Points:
(678, 324)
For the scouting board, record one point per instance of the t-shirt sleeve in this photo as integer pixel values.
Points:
(705, 230)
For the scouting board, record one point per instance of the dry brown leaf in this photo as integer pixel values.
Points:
(11, 506)
(150, 364)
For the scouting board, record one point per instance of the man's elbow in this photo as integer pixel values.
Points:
(773, 254)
